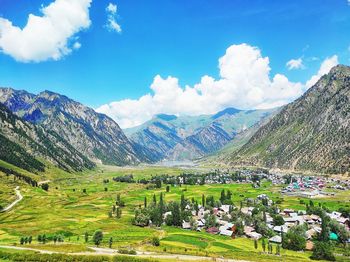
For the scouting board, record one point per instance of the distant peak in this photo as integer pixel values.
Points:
(227, 111)
(166, 117)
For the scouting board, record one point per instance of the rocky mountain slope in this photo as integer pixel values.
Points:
(24, 145)
(94, 135)
(189, 137)
(312, 133)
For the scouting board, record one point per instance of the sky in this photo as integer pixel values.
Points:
(132, 59)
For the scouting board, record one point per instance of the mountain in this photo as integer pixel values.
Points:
(311, 133)
(24, 145)
(189, 137)
(94, 135)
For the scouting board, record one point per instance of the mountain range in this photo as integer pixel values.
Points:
(311, 133)
(189, 137)
(94, 135)
(26, 145)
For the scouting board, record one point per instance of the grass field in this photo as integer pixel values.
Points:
(66, 210)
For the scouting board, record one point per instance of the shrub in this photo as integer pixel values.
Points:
(155, 241)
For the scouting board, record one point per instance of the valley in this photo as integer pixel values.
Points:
(79, 204)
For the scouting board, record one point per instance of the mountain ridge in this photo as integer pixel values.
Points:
(94, 134)
(311, 133)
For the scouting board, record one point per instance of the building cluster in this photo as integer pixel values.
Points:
(290, 218)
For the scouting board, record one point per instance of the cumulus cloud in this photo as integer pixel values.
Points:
(48, 36)
(244, 82)
(295, 64)
(326, 66)
(112, 23)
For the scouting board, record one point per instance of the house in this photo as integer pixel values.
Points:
(309, 245)
(280, 229)
(225, 208)
(186, 225)
(310, 233)
(226, 232)
(276, 239)
(254, 235)
(213, 230)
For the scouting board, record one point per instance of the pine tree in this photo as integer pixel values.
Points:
(110, 242)
(145, 202)
(203, 200)
(255, 244)
(263, 244)
(183, 202)
(154, 200)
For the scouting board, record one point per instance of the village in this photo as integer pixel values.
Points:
(291, 218)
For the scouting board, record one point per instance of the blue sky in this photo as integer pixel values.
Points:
(182, 39)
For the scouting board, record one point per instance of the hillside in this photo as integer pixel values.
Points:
(189, 137)
(312, 133)
(94, 135)
(24, 145)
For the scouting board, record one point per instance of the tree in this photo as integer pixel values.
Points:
(322, 251)
(155, 241)
(263, 244)
(255, 244)
(278, 220)
(86, 237)
(324, 235)
(176, 214)
(118, 212)
(295, 238)
(167, 188)
(278, 250)
(45, 187)
(270, 248)
(98, 237)
(22, 240)
(110, 242)
(145, 202)
(30, 239)
(203, 200)
(183, 202)
(222, 196)
(161, 203)
(154, 199)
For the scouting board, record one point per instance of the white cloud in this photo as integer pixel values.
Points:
(76, 45)
(244, 83)
(112, 23)
(326, 66)
(295, 64)
(48, 36)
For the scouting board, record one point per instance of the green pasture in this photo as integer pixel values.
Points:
(66, 209)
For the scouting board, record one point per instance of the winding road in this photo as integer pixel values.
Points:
(19, 198)
(108, 252)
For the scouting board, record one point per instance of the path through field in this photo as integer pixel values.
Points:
(19, 198)
(108, 252)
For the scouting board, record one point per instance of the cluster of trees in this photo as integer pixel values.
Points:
(190, 178)
(124, 179)
(26, 240)
(226, 198)
(157, 208)
(15, 154)
(17, 175)
(178, 211)
(269, 247)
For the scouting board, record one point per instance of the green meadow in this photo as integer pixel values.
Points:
(65, 209)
